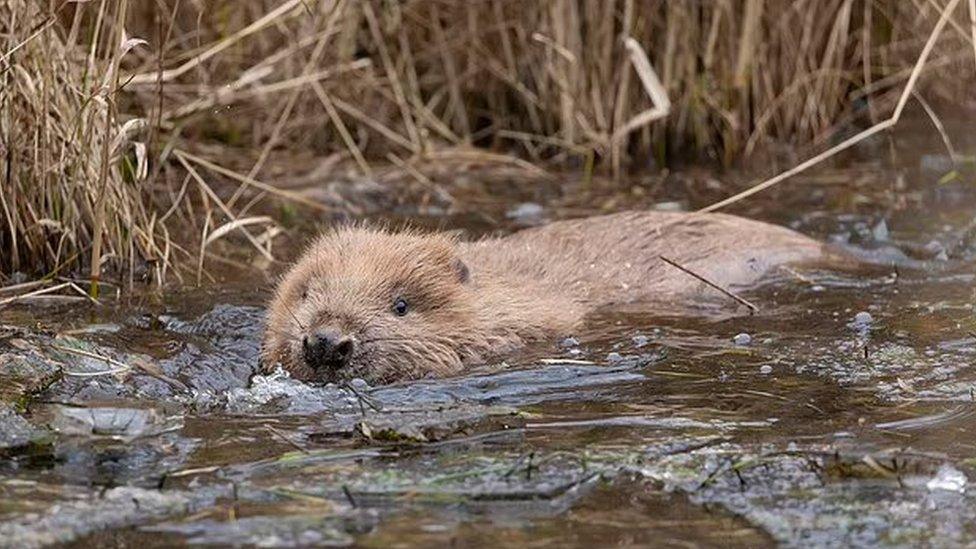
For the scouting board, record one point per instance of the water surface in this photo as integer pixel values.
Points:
(847, 417)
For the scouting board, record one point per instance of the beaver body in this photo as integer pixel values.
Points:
(387, 306)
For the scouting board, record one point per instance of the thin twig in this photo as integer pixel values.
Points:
(35, 293)
(972, 25)
(83, 293)
(937, 123)
(421, 178)
(290, 442)
(220, 204)
(121, 367)
(155, 76)
(652, 86)
(362, 398)
(340, 127)
(4, 58)
(22, 286)
(95, 374)
(752, 307)
(271, 189)
(348, 494)
(575, 361)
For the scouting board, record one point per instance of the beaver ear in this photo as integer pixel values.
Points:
(461, 271)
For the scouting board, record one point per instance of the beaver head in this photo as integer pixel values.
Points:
(372, 304)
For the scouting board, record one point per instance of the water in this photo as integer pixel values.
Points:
(841, 413)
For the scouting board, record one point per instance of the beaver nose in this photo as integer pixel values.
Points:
(327, 349)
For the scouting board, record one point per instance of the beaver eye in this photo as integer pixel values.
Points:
(400, 306)
(305, 293)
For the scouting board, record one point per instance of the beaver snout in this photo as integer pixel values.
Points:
(327, 349)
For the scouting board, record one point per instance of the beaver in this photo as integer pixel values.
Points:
(386, 306)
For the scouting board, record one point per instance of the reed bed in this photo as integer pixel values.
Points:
(633, 83)
(107, 139)
(72, 197)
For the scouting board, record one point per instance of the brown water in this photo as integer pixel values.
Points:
(848, 418)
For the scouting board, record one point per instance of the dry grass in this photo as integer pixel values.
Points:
(106, 146)
(542, 80)
(72, 166)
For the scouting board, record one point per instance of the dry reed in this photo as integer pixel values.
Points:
(541, 79)
(70, 187)
(99, 130)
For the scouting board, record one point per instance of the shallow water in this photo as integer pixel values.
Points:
(847, 418)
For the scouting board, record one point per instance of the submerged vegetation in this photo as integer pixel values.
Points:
(115, 115)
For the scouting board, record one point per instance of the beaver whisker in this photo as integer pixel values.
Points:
(430, 341)
(299, 322)
(438, 355)
(383, 340)
(372, 317)
(278, 331)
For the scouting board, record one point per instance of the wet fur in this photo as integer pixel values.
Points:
(470, 302)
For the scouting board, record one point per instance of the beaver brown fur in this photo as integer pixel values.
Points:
(387, 306)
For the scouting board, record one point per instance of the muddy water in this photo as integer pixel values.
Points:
(844, 415)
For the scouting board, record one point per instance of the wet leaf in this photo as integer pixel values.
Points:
(949, 177)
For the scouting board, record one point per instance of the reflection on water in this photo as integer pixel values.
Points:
(845, 414)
